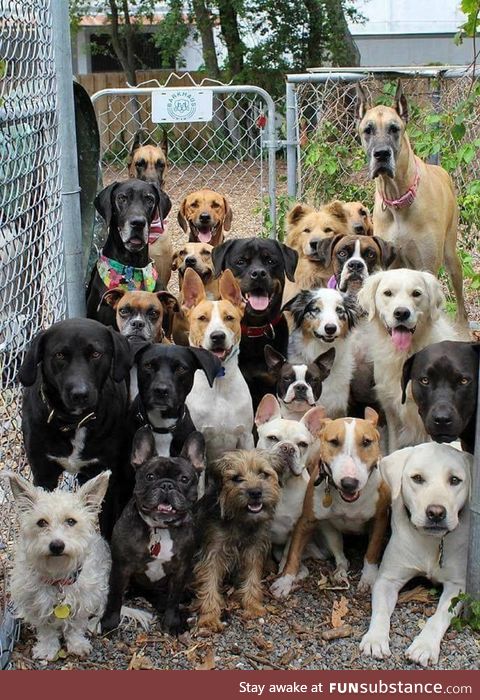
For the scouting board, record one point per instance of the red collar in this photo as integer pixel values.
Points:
(63, 581)
(258, 331)
(406, 199)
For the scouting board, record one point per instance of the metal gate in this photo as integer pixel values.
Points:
(234, 153)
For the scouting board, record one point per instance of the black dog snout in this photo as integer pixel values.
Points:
(204, 217)
(258, 273)
(167, 485)
(349, 485)
(381, 154)
(442, 419)
(330, 328)
(138, 324)
(160, 391)
(218, 337)
(56, 547)
(436, 513)
(300, 390)
(138, 222)
(355, 265)
(401, 313)
(78, 394)
(255, 494)
(190, 261)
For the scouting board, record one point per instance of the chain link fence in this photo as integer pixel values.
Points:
(31, 246)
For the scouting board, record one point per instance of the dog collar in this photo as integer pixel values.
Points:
(143, 418)
(258, 331)
(332, 282)
(66, 427)
(325, 474)
(157, 229)
(68, 581)
(115, 274)
(406, 199)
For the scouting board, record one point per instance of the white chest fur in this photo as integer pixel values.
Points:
(155, 568)
(74, 462)
(162, 440)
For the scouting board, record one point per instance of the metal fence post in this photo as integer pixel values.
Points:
(71, 219)
(473, 568)
(291, 141)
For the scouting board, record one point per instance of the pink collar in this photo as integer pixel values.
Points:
(406, 199)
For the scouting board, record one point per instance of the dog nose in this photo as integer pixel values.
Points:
(167, 486)
(56, 547)
(359, 229)
(442, 419)
(258, 273)
(79, 394)
(401, 313)
(355, 265)
(204, 217)
(138, 324)
(349, 485)
(190, 261)
(330, 328)
(300, 390)
(436, 513)
(138, 222)
(255, 494)
(288, 449)
(217, 337)
(160, 391)
(381, 153)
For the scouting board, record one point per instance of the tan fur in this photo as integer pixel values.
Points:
(150, 154)
(161, 303)
(358, 215)
(206, 201)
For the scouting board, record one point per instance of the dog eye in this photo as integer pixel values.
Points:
(194, 205)
(342, 253)
(339, 310)
(59, 356)
(454, 481)
(147, 365)
(393, 129)
(334, 442)
(307, 230)
(264, 475)
(122, 198)
(96, 355)
(273, 438)
(387, 293)
(71, 522)
(240, 261)
(150, 198)
(302, 445)
(362, 212)
(369, 254)
(366, 442)
(368, 130)
(140, 163)
(416, 293)
(228, 317)
(160, 164)
(184, 479)
(153, 314)
(424, 380)
(180, 370)
(464, 380)
(124, 312)
(42, 523)
(270, 261)
(202, 318)
(328, 230)
(418, 478)
(150, 476)
(215, 205)
(237, 479)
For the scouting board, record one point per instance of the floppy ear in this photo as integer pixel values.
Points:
(273, 359)
(143, 447)
(28, 371)
(314, 419)
(361, 103)
(207, 361)
(181, 216)
(371, 416)
(193, 450)
(324, 362)
(366, 295)
(122, 359)
(297, 213)
(324, 249)
(297, 306)
(93, 491)
(227, 221)
(435, 294)
(337, 210)
(24, 492)
(193, 291)
(164, 203)
(230, 289)
(406, 374)
(290, 258)
(387, 251)
(391, 469)
(219, 253)
(137, 347)
(168, 301)
(113, 296)
(401, 105)
(103, 202)
(268, 409)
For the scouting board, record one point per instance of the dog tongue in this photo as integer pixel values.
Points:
(259, 302)
(402, 339)
(205, 236)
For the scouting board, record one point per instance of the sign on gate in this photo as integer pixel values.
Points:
(171, 105)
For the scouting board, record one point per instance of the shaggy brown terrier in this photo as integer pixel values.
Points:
(235, 520)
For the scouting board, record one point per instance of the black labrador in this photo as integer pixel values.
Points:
(444, 380)
(128, 209)
(75, 405)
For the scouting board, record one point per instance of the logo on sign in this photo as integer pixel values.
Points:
(181, 105)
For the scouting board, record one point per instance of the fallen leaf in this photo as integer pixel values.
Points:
(337, 633)
(288, 657)
(339, 610)
(139, 662)
(260, 641)
(208, 663)
(419, 593)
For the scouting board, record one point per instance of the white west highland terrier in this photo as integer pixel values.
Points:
(61, 568)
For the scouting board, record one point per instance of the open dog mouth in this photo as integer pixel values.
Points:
(258, 299)
(255, 507)
(324, 338)
(135, 243)
(204, 232)
(382, 169)
(221, 353)
(401, 337)
(166, 509)
(349, 497)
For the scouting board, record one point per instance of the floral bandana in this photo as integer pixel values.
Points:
(115, 274)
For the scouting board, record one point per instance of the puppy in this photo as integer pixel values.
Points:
(261, 267)
(235, 521)
(153, 542)
(291, 439)
(345, 494)
(298, 387)
(444, 385)
(140, 315)
(324, 318)
(206, 216)
(74, 405)
(148, 162)
(430, 522)
(60, 573)
(404, 316)
(216, 326)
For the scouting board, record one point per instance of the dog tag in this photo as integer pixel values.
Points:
(62, 611)
(327, 499)
(155, 549)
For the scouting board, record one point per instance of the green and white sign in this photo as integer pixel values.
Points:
(173, 105)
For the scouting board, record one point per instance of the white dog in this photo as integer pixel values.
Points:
(60, 574)
(404, 316)
(430, 521)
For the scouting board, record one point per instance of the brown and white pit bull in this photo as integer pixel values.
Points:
(206, 216)
(415, 202)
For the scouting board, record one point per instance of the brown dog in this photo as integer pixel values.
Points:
(149, 162)
(206, 216)
(359, 219)
(235, 521)
(415, 202)
(141, 315)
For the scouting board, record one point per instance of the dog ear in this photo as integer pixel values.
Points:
(401, 105)
(337, 210)
(193, 291)
(314, 419)
(406, 376)
(175, 260)
(298, 306)
(219, 253)
(230, 289)
(361, 103)
(93, 491)
(122, 358)
(371, 416)
(290, 259)
(194, 450)
(435, 294)
(103, 202)
(351, 308)
(24, 492)
(27, 373)
(168, 301)
(164, 203)
(387, 251)
(227, 221)
(207, 361)
(181, 216)
(391, 469)
(143, 447)
(366, 295)
(297, 212)
(324, 249)
(113, 296)
(273, 359)
(324, 362)
(268, 409)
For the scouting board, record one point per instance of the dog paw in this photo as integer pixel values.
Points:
(172, 623)
(423, 651)
(209, 623)
(375, 645)
(253, 612)
(340, 576)
(110, 622)
(368, 578)
(79, 646)
(282, 587)
(46, 650)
